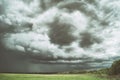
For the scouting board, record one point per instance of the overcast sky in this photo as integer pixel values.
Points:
(58, 35)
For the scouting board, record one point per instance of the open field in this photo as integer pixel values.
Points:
(50, 77)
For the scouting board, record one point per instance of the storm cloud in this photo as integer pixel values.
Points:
(79, 32)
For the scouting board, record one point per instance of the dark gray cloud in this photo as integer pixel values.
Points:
(82, 6)
(60, 33)
(87, 39)
(2, 7)
(4, 27)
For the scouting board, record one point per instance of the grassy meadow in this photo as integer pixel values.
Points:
(4, 76)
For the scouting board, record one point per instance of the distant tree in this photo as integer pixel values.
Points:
(115, 68)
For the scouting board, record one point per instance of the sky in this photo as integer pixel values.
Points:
(58, 35)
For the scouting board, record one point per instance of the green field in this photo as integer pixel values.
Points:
(50, 77)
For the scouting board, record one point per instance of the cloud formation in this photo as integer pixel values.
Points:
(79, 31)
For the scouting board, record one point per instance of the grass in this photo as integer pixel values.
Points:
(50, 77)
